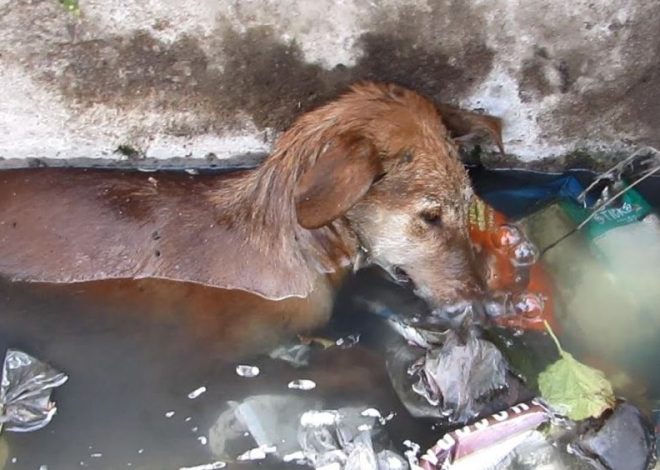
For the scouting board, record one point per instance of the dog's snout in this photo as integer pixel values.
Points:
(460, 311)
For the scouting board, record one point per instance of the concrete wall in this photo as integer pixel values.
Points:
(177, 78)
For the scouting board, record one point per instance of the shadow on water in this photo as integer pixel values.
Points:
(129, 365)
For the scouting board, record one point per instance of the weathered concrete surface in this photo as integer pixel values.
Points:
(170, 78)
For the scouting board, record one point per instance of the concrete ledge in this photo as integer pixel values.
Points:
(171, 79)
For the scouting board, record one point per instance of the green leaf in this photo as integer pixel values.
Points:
(574, 389)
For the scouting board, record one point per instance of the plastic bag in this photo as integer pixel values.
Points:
(342, 439)
(25, 392)
(458, 380)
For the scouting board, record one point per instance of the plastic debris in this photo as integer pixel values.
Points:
(196, 393)
(25, 392)
(209, 466)
(348, 341)
(247, 371)
(302, 384)
(258, 453)
(343, 439)
(297, 355)
(268, 420)
(295, 429)
(486, 442)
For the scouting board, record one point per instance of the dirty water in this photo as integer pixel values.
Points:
(144, 391)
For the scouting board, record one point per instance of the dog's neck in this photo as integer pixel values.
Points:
(261, 203)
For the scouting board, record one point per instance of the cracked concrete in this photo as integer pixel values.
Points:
(166, 79)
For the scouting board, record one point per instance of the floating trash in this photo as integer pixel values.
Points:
(302, 384)
(258, 453)
(294, 456)
(371, 413)
(25, 392)
(297, 355)
(196, 393)
(247, 371)
(348, 341)
(169, 414)
(209, 466)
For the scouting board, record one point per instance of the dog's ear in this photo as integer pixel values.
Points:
(341, 175)
(465, 125)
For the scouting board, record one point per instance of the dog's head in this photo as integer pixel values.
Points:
(388, 165)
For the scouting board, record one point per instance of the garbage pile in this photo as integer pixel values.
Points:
(299, 430)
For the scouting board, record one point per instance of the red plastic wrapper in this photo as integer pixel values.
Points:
(517, 282)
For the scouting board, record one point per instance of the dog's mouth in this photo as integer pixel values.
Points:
(401, 277)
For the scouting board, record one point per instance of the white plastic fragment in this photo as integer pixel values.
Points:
(294, 456)
(302, 384)
(247, 371)
(96, 455)
(258, 453)
(196, 393)
(319, 418)
(348, 341)
(371, 413)
(208, 466)
(203, 440)
(169, 414)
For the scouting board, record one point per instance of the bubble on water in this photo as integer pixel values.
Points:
(506, 236)
(525, 254)
(302, 384)
(196, 393)
(364, 427)
(528, 305)
(247, 371)
(96, 455)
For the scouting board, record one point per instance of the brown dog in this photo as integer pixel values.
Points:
(373, 176)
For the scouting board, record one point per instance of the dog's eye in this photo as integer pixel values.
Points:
(431, 216)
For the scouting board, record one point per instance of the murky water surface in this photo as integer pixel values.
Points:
(135, 396)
